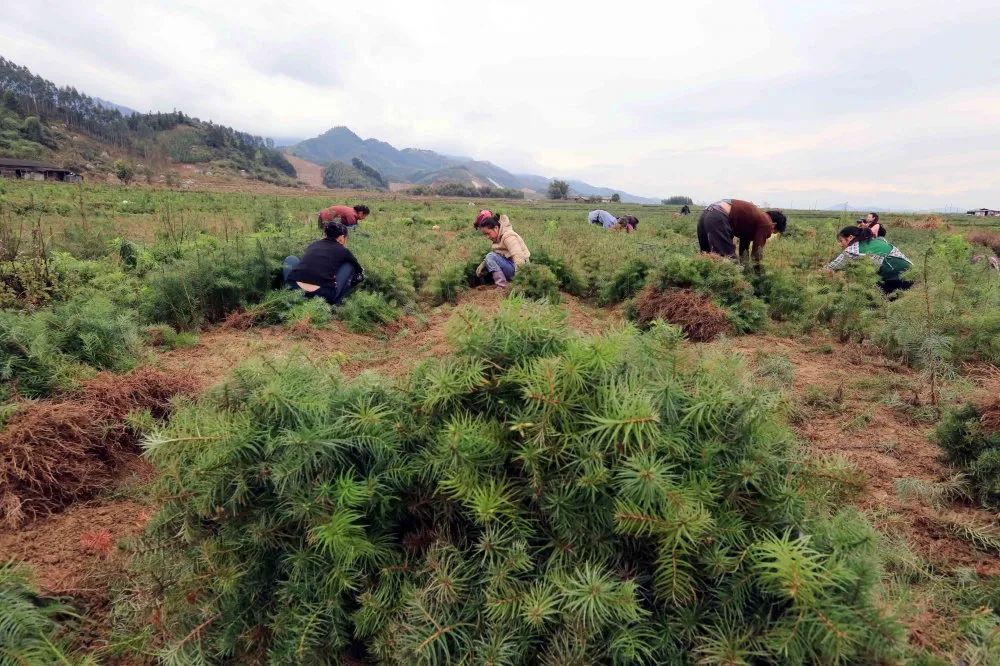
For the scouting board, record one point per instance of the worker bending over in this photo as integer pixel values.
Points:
(348, 215)
(860, 242)
(735, 218)
(603, 218)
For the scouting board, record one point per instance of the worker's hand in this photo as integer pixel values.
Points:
(480, 269)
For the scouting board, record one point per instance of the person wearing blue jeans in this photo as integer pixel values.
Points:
(327, 268)
(343, 282)
(507, 251)
(497, 262)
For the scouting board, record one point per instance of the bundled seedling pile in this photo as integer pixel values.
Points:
(970, 435)
(699, 318)
(282, 306)
(703, 295)
(54, 452)
(536, 497)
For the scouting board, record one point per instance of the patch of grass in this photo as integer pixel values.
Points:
(162, 335)
(888, 447)
(364, 311)
(775, 366)
(858, 421)
(825, 399)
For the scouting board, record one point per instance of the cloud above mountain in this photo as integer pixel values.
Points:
(799, 104)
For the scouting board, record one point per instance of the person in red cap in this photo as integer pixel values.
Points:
(348, 215)
(482, 215)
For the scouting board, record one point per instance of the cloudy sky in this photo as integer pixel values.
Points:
(887, 103)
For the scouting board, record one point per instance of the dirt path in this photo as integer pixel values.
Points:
(839, 395)
(392, 352)
(309, 173)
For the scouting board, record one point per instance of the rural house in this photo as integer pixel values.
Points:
(31, 170)
(984, 212)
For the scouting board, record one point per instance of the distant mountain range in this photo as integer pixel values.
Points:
(111, 106)
(426, 167)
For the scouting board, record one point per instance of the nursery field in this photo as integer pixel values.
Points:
(638, 455)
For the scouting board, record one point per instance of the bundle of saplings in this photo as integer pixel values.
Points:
(970, 435)
(706, 282)
(535, 498)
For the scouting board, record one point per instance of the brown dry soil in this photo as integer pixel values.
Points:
(309, 173)
(73, 552)
(392, 351)
(884, 444)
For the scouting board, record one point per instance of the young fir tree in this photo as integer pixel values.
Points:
(534, 498)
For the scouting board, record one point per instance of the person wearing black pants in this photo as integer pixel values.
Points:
(715, 232)
(327, 268)
(727, 219)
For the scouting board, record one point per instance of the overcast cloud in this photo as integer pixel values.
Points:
(812, 103)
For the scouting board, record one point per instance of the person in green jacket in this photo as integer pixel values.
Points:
(861, 242)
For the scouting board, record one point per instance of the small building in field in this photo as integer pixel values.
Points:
(31, 170)
(588, 198)
(984, 212)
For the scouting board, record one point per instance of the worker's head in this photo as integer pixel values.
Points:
(489, 226)
(778, 221)
(624, 223)
(853, 234)
(335, 230)
(482, 215)
(871, 218)
(362, 210)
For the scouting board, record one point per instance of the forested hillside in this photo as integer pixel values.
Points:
(354, 176)
(39, 120)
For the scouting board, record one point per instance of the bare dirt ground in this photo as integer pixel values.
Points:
(392, 352)
(309, 173)
(884, 444)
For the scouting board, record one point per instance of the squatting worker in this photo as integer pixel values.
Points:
(348, 215)
(507, 251)
(603, 218)
(857, 242)
(729, 218)
(327, 268)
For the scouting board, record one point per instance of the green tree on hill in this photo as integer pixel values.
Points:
(558, 189)
(677, 201)
(340, 175)
(371, 172)
(124, 172)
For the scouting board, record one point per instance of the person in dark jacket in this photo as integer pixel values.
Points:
(628, 223)
(729, 218)
(327, 268)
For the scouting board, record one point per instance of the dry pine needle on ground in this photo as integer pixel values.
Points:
(54, 452)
